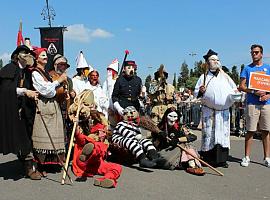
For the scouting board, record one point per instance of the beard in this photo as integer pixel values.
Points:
(214, 67)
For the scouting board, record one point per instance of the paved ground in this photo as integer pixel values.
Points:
(252, 182)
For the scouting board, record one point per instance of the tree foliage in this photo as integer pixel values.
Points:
(147, 82)
(1, 63)
(235, 75)
(174, 81)
(184, 75)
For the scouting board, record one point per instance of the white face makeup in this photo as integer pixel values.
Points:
(129, 70)
(42, 58)
(43, 55)
(214, 63)
(172, 118)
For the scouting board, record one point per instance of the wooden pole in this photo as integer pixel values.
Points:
(200, 160)
(71, 139)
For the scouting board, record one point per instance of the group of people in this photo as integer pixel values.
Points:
(39, 105)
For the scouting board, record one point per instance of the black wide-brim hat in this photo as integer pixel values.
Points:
(23, 48)
(209, 53)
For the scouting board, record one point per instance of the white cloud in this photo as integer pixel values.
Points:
(99, 33)
(128, 29)
(5, 58)
(80, 33)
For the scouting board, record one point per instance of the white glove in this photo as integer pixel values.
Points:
(138, 137)
(119, 108)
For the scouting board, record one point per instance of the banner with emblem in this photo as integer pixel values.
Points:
(52, 39)
(259, 81)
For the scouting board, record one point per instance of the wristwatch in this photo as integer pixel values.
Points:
(252, 92)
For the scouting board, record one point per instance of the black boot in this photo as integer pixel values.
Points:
(144, 162)
(30, 170)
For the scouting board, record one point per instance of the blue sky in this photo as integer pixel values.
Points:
(154, 31)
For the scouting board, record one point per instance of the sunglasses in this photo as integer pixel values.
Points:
(255, 52)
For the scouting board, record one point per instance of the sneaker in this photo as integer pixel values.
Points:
(267, 161)
(245, 161)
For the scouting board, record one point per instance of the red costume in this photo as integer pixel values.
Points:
(96, 163)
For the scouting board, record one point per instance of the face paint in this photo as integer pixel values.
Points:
(131, 115)
(172, 118)
(43, 55)
(86, 72)
(112, 74)
(214, 63)
(26, 59)
(42, 58)
(129, 70)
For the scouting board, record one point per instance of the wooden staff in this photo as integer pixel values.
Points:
(198, 159)
(204, 68)
(71, 139)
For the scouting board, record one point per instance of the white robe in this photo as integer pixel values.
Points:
(100, 99)
(108, 86)
(215, 112)
(80, 84)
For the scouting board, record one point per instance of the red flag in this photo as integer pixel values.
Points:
(19, 36)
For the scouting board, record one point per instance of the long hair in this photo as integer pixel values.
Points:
(163, 123)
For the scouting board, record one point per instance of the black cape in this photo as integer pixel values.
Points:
(15, 131)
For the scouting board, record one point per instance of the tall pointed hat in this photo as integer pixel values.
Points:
(81, 61)
(114, 65)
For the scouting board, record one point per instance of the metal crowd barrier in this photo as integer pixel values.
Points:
(191, 116)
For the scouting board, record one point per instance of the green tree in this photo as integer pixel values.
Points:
(242, 67)
(1, 63)
(184, 75)
(191, 73)
(198, 69)
(174, 81)
(147, 82)
(235, 75)
(191, 82)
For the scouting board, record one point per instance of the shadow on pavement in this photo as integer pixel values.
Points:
(11, 170)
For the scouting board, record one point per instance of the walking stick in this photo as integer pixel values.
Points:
(198, 159)
(61, 163)
(71, 141)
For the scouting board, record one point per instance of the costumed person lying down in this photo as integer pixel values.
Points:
(168, 145)
(90, 150)
(127, 134)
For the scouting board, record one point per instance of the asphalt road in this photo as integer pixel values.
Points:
(238, 183)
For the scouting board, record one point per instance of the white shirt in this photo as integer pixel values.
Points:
(45, 88)
(20, 91)
(79, 84)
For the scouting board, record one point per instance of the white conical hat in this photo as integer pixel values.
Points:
(114, 65)
(90, 68)
(81, 61)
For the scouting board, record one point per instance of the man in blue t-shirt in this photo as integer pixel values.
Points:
(258, 106)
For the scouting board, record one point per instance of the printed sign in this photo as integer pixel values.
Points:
(52, 39)
(259, 81)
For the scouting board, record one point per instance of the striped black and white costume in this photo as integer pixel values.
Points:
(125, 134)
